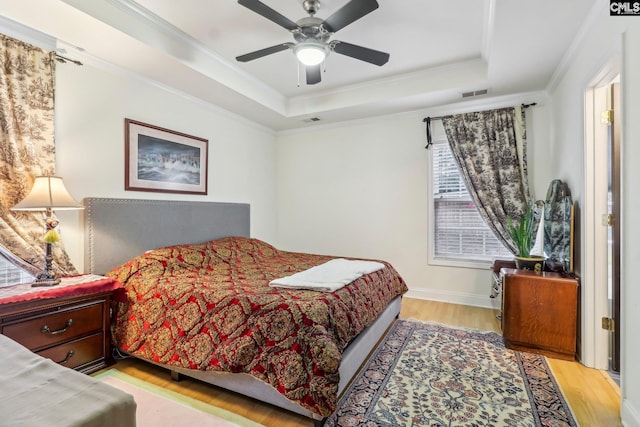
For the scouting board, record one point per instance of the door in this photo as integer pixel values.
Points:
(600, 243)
(613, 244)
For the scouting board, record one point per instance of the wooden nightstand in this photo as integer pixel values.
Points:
(540, 312)
(68, 323)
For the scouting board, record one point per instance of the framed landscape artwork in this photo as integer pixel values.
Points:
(163, 160)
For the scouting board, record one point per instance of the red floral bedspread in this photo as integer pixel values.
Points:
(209, 307)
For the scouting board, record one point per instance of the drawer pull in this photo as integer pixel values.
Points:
(45, 329)
(70, 354)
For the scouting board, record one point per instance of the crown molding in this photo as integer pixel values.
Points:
(598, 9)
(26, 34)
(100, 64)
(489, 26)
(132, 19)
(466, 106)
(446, 77)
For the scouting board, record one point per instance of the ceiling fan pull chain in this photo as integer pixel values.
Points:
(298, 67)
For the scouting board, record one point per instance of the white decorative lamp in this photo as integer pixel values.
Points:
(48, 193)
(310, 53)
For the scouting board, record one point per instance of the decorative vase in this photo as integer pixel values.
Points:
(532, 264)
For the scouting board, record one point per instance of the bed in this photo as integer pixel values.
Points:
(39, 392)
(199, 302)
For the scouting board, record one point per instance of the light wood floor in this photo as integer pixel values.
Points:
(593, 397)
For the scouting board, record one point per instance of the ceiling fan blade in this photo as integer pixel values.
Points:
(350, 12)
(263, 52)
(264, 10)
(362, 53)
(314, 74)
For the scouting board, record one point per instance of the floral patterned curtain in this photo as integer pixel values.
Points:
(27, 82)
(490, 150)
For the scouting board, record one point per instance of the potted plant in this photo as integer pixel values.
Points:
(523, 235)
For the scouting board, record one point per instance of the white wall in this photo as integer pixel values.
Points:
(360, 189)
(91, 105)
(603, 36)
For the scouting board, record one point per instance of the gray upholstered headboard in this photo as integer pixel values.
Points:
(117, 230)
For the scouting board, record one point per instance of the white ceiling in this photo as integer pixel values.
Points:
(438, 50)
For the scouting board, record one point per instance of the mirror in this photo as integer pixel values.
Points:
(558, 228)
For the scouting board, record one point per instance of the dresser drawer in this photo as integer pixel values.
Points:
(57, 327)
(76, 353)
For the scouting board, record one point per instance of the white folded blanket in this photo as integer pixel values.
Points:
(328, 277)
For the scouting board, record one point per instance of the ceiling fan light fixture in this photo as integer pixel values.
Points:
(309, 53)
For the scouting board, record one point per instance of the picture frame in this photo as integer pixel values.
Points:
(163, 160)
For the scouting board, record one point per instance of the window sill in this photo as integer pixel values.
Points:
(461, 263)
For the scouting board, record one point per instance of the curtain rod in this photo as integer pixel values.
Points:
(440, 117)
(64, 59)
(427, 120)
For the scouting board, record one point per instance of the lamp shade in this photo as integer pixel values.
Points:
(48, 192)
(310, 53)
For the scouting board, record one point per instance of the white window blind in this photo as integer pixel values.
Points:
(10, 274)
(460, 233)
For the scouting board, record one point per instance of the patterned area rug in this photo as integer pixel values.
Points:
(427, 374)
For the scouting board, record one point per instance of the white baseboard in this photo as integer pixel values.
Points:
(630, 415)
(483, 301)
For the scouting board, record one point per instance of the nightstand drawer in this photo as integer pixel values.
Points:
(76, 353)
(60, 326)
(68, 323)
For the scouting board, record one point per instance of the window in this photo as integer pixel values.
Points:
(460, 235)
(11, 274)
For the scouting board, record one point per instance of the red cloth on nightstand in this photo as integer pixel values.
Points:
(69, 286)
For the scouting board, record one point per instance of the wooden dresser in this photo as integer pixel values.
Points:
(540, 312)
(69, 325)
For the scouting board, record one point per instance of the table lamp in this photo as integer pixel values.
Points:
(48, 193)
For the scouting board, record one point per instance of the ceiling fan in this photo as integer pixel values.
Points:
(312, 35)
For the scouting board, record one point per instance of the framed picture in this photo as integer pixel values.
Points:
(163, 160)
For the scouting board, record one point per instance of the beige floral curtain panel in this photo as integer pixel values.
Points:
(27, 82)
(490, 150)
